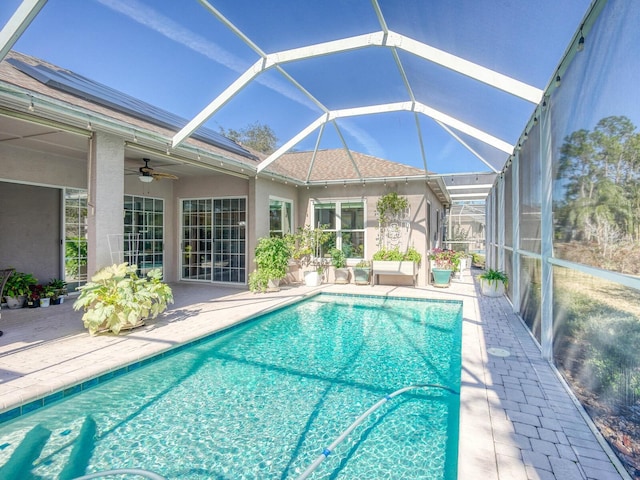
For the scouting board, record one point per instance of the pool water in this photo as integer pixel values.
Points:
(263, 399)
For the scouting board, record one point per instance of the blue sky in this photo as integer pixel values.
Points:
(176, 55)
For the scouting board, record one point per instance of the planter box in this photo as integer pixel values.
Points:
(341, 275)
(491, 288)
(312, 278)
(392, 267)
(361, 275)
(441, 277)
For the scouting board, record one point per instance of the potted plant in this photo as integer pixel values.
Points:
(493, 283)
(339, 262)
(443, 264)
(308, 245)
(391, 206)
(17, 289)
(46, 295)
(33, 298)
(361, 272)
(116, 298)
(59, 288)
(272, 263)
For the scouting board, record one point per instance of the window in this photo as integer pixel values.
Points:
(346, 219)
(280, 213)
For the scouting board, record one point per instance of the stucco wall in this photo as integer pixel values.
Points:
(30, 225)
(21, 165)
(418, 194)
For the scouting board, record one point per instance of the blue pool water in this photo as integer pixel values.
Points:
(263, 399)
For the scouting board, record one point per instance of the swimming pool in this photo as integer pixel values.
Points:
(262, 400)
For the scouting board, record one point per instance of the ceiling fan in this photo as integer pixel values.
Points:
(147, 174)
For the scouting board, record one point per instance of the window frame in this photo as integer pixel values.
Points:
(338, 230)
(273, 198)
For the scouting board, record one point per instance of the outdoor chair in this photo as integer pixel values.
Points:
(4, 276)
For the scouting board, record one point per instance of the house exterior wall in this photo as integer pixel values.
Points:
(22, 165)
(31, 230)
(418, 195)
(110, 183)
(30, 206)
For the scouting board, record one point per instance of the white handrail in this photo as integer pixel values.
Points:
(327, 451)
(123, 471)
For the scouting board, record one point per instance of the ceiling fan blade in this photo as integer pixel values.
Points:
(162, 175)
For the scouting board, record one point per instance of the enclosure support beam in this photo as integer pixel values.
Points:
(515, 241)
(18, 23)
(546, 234)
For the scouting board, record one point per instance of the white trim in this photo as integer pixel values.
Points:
(387, 39)
(293, 214)
(18, 23)
(465, 67)
(387, 108)
(338, 201)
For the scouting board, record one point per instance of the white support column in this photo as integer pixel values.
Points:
(487, 229)
(500, 222)
(515, 223)
(546, 233)
(106, 198)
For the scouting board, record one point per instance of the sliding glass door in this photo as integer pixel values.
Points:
(213, 240)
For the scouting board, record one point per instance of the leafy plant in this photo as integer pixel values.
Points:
(363, 264)
(272, 262)
(308, 245)
(394, 254)
(390, 206)
(412, 255)
(259, 281)
(338, 258)
(76, 255)
(58, 286)
(117, 298)
(496, 276)
(19, 284)
(446, 259)
(272, 255)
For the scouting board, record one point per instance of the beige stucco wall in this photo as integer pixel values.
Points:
(30, 209)
(19, 165)
(418, 194)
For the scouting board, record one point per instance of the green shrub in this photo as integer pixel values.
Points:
(394, 254)
(19, 284)
(338, 258)
(496, 276)
(117, 298)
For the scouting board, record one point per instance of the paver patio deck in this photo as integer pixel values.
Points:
(517, 420)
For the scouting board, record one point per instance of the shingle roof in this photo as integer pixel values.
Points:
(335, 164)
(10, 74)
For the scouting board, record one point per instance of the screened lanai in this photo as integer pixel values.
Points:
(524, 114)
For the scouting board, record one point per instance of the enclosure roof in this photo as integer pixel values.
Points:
(445, 87)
